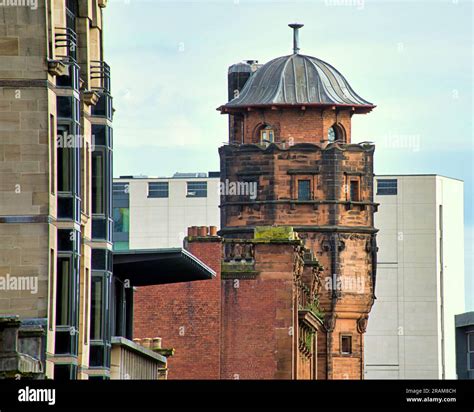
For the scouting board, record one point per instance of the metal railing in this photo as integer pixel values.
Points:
(100, 75)
(65, 43)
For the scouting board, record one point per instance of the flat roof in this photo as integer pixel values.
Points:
(146, 267)
(176, 176)
(464, 319)
(419, 175)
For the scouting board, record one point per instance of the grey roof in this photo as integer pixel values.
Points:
(464, 319)
(144, 267)
(297, 79)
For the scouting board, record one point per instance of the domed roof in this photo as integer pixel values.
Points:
(297, 80)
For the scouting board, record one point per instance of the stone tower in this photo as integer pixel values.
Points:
(290, 135)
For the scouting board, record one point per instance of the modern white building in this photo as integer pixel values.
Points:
(420, 278)
(152, 213)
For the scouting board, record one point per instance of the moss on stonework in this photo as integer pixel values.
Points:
(309, 341)
(316, 310)
(164, 352)
(271, 233)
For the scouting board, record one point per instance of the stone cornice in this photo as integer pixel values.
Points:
(309, 228)
(304, 147)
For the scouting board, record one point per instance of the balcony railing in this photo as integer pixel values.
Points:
(133, 361)
(65, 43)
(100, 75)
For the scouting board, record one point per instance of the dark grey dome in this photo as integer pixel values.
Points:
(298, 80)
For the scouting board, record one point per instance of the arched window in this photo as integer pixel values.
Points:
(336, 133)
(331, 134)
(267, 135)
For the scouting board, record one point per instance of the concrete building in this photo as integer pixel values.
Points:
(420, 278)
(156, 212)
(465, 345)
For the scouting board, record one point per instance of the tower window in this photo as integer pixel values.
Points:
(304, 190)
(346, 344)
(331, 135)
(267, 135)
(354, 191)
(336, 132)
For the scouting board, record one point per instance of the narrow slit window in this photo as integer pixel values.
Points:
(98, 180)
(52, 160)
(346, 344)
(96, 308)
(62, 289)
(52, 291)
(354, 191)
(64, 163)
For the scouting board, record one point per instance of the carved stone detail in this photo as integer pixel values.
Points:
(91, 97)
(57, 68)
(362, 324)
(239, 252)
(340, 245)
(329, 323)
(326, 245)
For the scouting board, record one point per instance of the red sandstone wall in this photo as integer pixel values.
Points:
(187, 317)
(258, 326)
(277, 173)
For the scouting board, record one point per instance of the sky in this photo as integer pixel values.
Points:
(413, 59)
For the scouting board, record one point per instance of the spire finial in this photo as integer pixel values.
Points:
(296, 39)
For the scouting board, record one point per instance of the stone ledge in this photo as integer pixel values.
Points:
(135, 347)
(250, 274)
